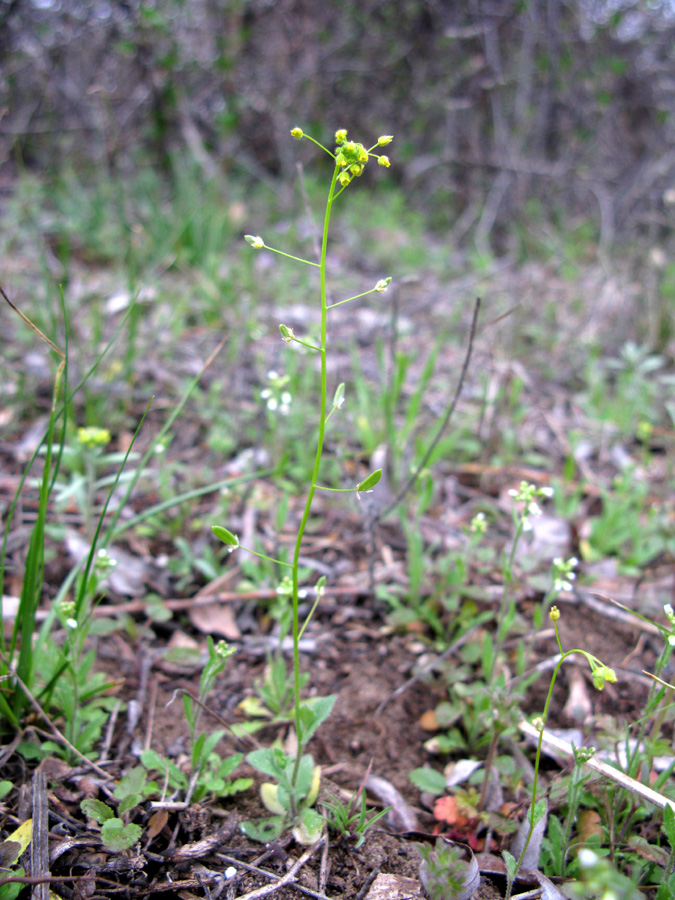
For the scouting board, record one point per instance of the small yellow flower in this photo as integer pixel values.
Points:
(93, 436)
(554, 614)
(345, 178)
(383, 161)
(341, 136)
(297, 132)
(384, 139)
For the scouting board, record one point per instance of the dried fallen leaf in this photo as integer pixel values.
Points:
(215, 618)
(157, 821)
(589, 825)
(428, 721)
(446, 809)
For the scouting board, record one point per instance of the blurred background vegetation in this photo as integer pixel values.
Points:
(502, 110)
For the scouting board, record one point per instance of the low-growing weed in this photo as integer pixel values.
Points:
(352, 820)
(209, 773)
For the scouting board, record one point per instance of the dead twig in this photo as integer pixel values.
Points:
(288, 878)
(256, 870)
(39, 845)
(62, 739)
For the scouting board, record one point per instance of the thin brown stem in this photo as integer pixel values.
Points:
(444, 424)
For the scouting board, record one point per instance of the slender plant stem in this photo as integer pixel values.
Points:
(444, 423)
(312, 487)
(537, 758)
(507, 573)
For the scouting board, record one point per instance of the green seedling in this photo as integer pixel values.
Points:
(297, 778)
(448, 871)
(209, 773)
(351, 821)
(557, 843)
(118, 832)
(290, 797)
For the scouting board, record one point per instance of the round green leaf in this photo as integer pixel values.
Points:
(117, 836)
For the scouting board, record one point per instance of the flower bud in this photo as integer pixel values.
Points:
(297, 132)
(341, 136)
(255, 241)
(383, 284)
(286, 333)
(345, 178)
(383, 161)
(384, 139)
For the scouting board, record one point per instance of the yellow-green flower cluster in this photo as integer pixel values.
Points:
(93, 437)
(350, 156)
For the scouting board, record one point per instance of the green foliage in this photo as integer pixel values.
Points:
(209, 773)
(445, 872)
(118, 834)
(352, 820)
(290, 797)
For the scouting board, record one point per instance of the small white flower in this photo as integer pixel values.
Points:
(266, 394)
(534, 509)
(272, 375)
(381, 286)
(71, 623)
(527, 525)
(286, 398)
(587, 858)
(255, 241)
(272, 403)
(547, 492)
(671, 640)
(478, 524)
(668, 610)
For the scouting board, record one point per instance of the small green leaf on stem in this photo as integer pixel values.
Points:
(225, 536)
(511, 865)
(669, 824)
(368, 483)
(339, 397)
